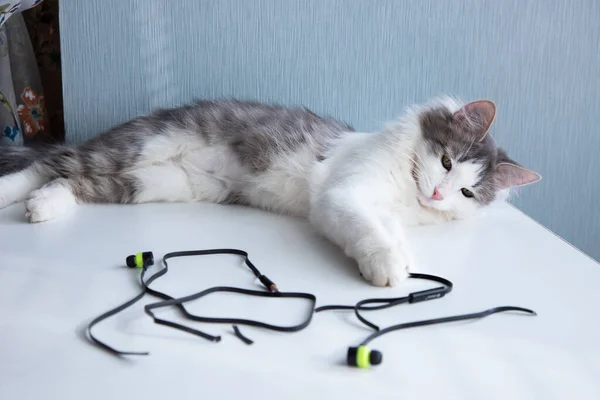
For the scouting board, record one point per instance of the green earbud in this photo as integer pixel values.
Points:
(140, 260)
(363, 357)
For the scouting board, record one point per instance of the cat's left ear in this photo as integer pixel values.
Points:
(511, 175)
(477, 117)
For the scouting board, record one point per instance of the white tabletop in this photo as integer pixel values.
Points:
(56, 276)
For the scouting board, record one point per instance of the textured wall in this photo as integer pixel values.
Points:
(361, 61)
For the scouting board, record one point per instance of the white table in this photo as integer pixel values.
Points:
(56, 276)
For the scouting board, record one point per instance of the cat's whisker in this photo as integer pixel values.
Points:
(422, 175)
(420, 170)
(420, 166)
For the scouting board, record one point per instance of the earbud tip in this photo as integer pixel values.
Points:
(375, 357)
(351, 356)
(130, 261)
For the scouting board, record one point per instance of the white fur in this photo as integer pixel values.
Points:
(179, 167)
(284, 187)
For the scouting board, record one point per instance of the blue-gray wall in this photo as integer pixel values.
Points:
(361, 61)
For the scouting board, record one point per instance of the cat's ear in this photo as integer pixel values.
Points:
(477, 117)
(511, 175)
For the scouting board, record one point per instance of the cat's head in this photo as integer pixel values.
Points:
(455, 163)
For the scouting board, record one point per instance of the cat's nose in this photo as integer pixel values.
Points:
(437, 195)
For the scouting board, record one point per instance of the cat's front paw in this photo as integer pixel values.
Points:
(384, 267)
(48, 203)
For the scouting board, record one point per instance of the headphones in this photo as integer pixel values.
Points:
(360, 356)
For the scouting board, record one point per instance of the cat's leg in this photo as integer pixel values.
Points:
(363, 234)
(155, 183)
(16, 187)
(62, 194)
(394, 226)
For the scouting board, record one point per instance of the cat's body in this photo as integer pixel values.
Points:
(358, 189)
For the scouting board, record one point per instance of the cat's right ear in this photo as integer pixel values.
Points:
(476, 117)
(512, 175)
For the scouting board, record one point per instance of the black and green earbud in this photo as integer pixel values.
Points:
(140, 260)
(363, 357)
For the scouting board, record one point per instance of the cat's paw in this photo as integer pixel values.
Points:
(387, 267)
(48, 203)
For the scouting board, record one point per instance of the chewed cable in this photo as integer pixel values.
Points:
(272, 292)
(144, 260)
(241, 336)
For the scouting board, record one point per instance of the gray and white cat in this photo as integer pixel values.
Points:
(359, 190)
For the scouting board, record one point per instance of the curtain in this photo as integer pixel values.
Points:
(23, 117)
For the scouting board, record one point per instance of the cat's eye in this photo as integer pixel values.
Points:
(446, 163)
(466, 192)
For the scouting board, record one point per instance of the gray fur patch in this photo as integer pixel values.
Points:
(258, 132)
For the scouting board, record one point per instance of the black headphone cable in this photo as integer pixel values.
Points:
(360, 356)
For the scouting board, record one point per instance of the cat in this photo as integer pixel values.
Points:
(435, 163)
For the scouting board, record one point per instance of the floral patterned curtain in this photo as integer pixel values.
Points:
(22, 112)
